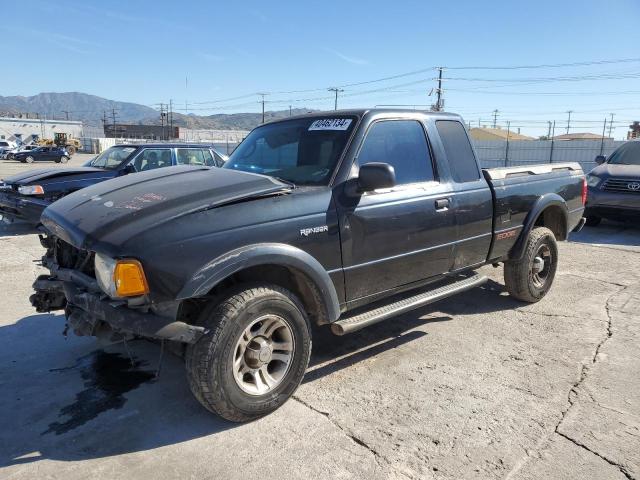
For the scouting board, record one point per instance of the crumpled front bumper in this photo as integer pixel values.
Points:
(88, 310)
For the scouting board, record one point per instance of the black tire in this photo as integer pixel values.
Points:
(29, 159)
(520, 276)
(593, 220)
(71, 149)
(64, 159)
(210, 362)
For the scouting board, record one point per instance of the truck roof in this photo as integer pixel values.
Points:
(360, 112)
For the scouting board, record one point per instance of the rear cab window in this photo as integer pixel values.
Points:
(457, 148)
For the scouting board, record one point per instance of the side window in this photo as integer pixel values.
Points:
(209, 161)
(219, 159)
(190, 156)
(402, 144)
(457, 147)
(152, 158)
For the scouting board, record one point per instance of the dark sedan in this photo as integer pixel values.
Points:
(55, 154)
(614, 186)
(26, 195)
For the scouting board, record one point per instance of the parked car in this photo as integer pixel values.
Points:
(10, 155)
(55, 154)
(5, 147)
(614, 186)
(24, 196)
(319, 219)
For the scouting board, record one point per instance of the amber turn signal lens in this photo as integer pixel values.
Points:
(129, 279)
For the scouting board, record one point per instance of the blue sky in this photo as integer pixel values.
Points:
(203, 51)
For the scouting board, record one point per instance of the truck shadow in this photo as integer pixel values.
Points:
(71, 400)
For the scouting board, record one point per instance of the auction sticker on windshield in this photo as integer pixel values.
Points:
(331, 124)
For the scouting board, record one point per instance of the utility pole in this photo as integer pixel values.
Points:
(262, 101)
(336, 91)
(104, 121)
(611, 124)
(549, 131)
(495, 118)
(289, 110)
(171, 117)
(113, 116)
(66, 113)
(162, 114)
(569, 120)
(604, 128)
(439, 92)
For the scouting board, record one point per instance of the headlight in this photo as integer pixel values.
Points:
(31, 190)
(592, 180)
(120, 278)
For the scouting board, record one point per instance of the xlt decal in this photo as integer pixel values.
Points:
(305, 232)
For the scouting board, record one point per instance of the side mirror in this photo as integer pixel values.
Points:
(600, 159)
(375, 175)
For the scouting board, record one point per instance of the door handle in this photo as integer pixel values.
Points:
(442, 204)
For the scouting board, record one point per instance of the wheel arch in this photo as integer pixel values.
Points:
(279, 264)
(549, 211)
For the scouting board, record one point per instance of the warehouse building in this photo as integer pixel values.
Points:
(28, 130)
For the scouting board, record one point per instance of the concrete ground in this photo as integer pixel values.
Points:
(476, 386)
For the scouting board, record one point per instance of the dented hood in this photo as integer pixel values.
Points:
(126, 206)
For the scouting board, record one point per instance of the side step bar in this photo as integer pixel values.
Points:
(356, 322)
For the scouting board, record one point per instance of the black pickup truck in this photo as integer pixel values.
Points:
(341, 219)
(25, 196)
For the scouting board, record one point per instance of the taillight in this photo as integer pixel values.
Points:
(584, 191)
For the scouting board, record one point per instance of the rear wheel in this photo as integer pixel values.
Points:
(254, 355)
(29, 159)
(530, 278)
(71, 149)
(593, 220)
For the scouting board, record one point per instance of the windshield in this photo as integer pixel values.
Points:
(627, 154)
(111, 158)
(303, 151)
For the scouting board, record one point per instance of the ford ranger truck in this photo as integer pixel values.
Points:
(340, 220)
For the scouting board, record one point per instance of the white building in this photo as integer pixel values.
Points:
(27, 130)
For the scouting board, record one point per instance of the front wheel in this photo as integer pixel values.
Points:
(254, 354)
(530, 278)
(29, 159)
(64, 159)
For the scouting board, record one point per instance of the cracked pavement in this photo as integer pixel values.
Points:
(476, 386)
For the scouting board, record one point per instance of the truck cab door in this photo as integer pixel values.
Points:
(398, 236)
(472, 200)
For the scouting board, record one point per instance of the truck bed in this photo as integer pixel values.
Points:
(517, 190)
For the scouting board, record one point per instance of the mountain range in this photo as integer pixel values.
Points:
(90, 109)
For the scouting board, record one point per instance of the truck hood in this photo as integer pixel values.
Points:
(45, 174)
(631, 172)
(126, 206)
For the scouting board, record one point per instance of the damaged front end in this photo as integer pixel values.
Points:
(72, 286)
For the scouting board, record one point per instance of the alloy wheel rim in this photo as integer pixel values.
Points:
(541, 265)
(263, 355)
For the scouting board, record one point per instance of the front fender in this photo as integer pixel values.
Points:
(231, 262)
(544, 202)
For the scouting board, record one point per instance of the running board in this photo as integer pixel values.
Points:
(356, 322)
